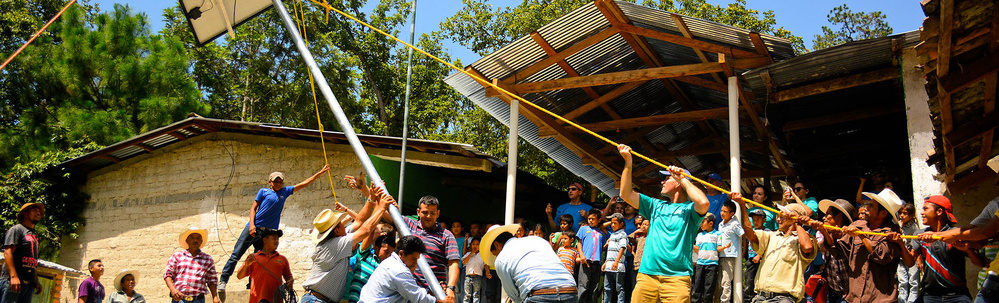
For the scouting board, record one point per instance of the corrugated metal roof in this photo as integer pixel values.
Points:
(612, 54)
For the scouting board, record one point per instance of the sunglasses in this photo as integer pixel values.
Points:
(573, 189)
(799, 188)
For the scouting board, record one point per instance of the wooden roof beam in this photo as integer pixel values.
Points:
(611, 95)
(176, 135)
(658, 120)
(761, 47)
(990, 93)
(682, 25)
(688, 42)
(109, 158)
(971, 73)
(560, 56)
(836, 84)
(943, 68)
(974, 129)
(144, 146)
(843, 117)
(634, 75)
(706, 150)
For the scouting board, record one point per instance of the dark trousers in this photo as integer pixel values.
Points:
(961, 298)
(833, 296)
(989, 292)
(242, 244)
(491, 288)
(631, 276)
(703, 289)
(749, 290)
(589, 279)
(24, 296)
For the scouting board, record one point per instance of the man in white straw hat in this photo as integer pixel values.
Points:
(124, 283)
(664, 274)
(985, 226)
(334, 246)
(872, 260)
(190, 273)
(527, 267)
(18, 279)
(265, 212)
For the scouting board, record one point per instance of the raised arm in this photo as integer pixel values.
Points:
(627, 193)
(366, 228)
(551, 221)
(701, 203)
(311, 179)
(750, 234)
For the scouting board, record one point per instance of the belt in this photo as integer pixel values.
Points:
(554, 291)
(317, 295)
(192, 298)
(768, 294)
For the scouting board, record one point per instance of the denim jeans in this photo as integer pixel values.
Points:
(614, 287)
(908, 283)
(9, 296)
(946, 299)
(569, 298)
(242, 244)
(989, 292)
(309, 298)
(473, 289)
(198, 299)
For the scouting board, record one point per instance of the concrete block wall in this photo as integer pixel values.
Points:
(139, 207)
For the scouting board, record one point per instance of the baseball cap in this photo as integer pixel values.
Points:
(944, 203)
(617, 216)
(275, 175)
(715, 176)
(666, 174)
(758, 212)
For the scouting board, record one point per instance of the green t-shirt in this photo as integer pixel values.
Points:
(670, 243)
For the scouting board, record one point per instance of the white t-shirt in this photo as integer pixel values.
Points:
(474, 265)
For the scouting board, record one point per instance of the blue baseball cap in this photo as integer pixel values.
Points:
(666, 174)
(715, 176)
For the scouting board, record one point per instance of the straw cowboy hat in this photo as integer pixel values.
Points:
(26, 206)
(889, 200)
(325, 223)
(842, 205)
(183, 236)
(799, 210)
(486, 244)
(121, 275)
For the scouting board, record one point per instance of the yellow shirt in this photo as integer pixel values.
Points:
(782, 263)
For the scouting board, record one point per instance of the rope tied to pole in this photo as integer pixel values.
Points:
(560, 118)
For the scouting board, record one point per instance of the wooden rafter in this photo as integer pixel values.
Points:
(144, 146)
(552, 59)
(943, 67)
(570, 140)
(761, 47)
(843, 117)
(989, 108)
(692, 43)
(611, 95)
(974, 129)
(110, 158)
(696, 150)
(634, 75)
(658, 120)
(176, 135)
(836, 84)
(682, 25)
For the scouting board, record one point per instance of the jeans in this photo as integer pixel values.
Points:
(570, 298)
(309, 298)
(773, 299)
(908, 283)
(589, 276)
(9, 296)
(614, 287)
(946, 299)
(473, 289)
(242, 244)
(459, 292)
(704, 283)
(749, 290)
(989, 292)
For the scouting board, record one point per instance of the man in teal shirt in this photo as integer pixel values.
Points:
(664, 275)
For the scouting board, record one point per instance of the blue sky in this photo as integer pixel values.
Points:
(802, 18)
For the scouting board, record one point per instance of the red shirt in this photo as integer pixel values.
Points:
(264, 275)
(191, 274)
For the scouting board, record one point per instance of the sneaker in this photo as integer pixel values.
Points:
(221, 289)
(221, 286)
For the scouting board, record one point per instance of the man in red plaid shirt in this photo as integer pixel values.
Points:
(190, 273)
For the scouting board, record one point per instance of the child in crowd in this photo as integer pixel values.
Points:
(731, 234)
(460, 236)
(567, 251)
(268, 270)
(908, 276)
(474, 271)
(638, 247)
(91, 290)
(592, 238)
(614, 267)
(758, 216)
(706, 246)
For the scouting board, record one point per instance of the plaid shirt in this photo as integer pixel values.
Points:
(191, 274)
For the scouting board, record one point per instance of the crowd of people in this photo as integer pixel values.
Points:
(682, 245)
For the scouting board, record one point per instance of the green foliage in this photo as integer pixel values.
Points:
(40, 181)
(852, 27)
(107, 79)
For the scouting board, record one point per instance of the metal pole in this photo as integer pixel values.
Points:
(405, 112)
(348, 131)
(511, 166)
(736, 167)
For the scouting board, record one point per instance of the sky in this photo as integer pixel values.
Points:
(802, 18)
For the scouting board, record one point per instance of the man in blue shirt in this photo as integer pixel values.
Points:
(664, 275)
(715, 197)
(575, 208)
(265, 212)
(529, 269)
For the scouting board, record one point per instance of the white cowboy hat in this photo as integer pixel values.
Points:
(889, 200)
(842, 205)
(486, 244)
(121, 275)
(188, 232)
(325, 223)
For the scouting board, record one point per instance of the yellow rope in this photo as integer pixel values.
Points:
(315, 101)
(556, 116)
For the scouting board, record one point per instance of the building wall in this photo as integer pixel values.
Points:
(139, 207)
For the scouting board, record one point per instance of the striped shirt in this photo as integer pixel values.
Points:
(568, 257)
(616, 243)
(367, 261)
(441, 248)
(528, 264)
(707, 247)
(191, 274)
(330, 268)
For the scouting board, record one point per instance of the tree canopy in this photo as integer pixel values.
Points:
(852, 27)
